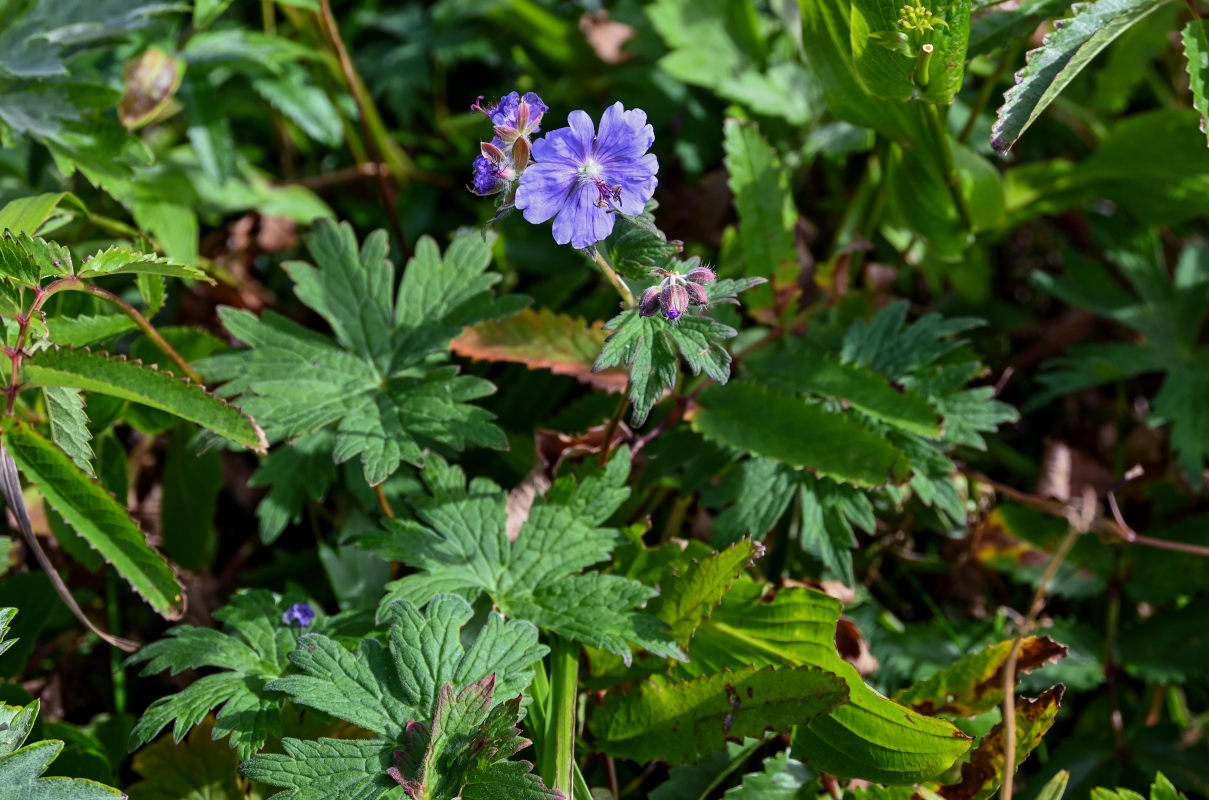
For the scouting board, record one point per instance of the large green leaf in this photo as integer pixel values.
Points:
(765, 206)
(95, 515)
(893, 75)
(1063, 55)
(1196, 50)
(870, 737)
(676, 721)
(130, 380)
(814, 371)
(759, 419)
(543, 575)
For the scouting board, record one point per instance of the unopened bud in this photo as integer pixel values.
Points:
(506, 134)
(522, 116)
(701, 275)
(649, 302)
(491, 152)
(520, 152)
(696, 294)
(673, 300)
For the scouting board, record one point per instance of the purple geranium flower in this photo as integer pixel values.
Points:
(300, 613)
(581, 175)
(506, 114)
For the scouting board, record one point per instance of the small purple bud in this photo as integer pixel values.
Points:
(505, 134)
(486, 180)
(673, 300)
(649, 303)
(300, 613)
(701, 275)
(696, 294)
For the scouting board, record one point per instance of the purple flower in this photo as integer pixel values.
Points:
(580, 175)
(523, 115)
(486, 181)
(300, 613)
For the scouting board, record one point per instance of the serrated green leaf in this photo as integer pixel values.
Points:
(87, 329)
(95, 515)
(758, 419)
(460, 544)
(974, 684)
(870, 737)
(468, 749)
(29, 214)
(1063, 54)
(69, 425)
(19, 779)
(376, 382)
(394, 691)
(351, 769)
(692, 595)
(766, 212)
(636, 245)
(678, 720)
(122, 261)
(252, 649)
(813, 371)
(130, 380)
(1196, 50)
(639, 343)
(783, 778)
(382, 689)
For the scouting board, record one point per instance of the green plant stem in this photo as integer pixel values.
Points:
(560, 724)
(941, 135)
(377, 139)
(627, 297)
(614, 421)
(113, 609)
(735, 763)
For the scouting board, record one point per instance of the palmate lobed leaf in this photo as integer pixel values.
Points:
(252, 649)
(460, 544)
(451, 707)
(375, 381)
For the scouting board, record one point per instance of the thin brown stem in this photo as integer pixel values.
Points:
(143, 325)
(383, 502)
(356, 88)
(611, 428)
(1080, 522)
(10, 486)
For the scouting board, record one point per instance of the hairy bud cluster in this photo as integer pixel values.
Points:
(675, 293)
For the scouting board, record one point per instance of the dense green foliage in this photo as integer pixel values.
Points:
(844, 435)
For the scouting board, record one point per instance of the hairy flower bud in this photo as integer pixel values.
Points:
(520, 153)
(649, 303)
(696, 294)
(673, 300)
(491, 152)
(701, 275)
